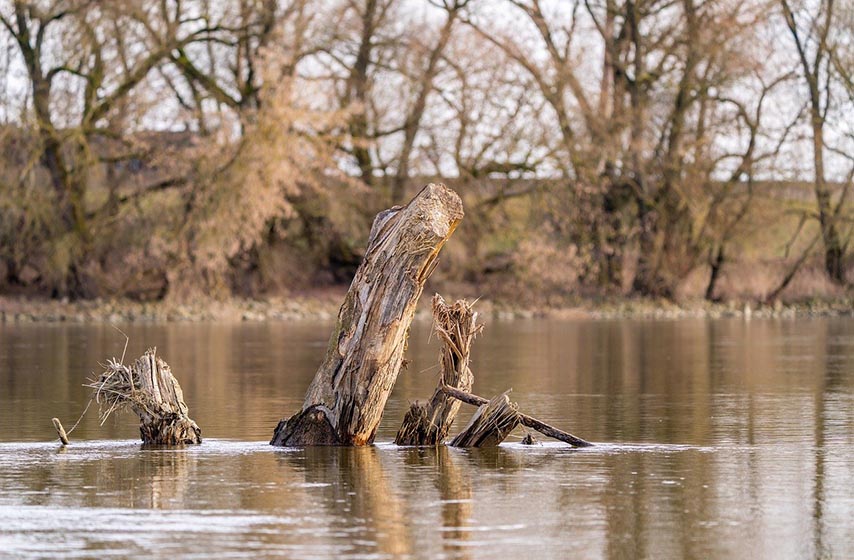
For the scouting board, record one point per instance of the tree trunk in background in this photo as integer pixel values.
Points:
(345, 401)
(833, 250)
(358, 87)
(817, 36)
(648, 280)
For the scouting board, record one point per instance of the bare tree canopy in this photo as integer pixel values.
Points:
(642, 147)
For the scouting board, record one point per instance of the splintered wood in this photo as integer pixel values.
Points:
(149, 389)
(524, 419)
(345, 401)
(429, 424)
(490, 425)
(456, 326)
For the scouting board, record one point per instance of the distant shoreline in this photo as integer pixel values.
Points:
(323, 305)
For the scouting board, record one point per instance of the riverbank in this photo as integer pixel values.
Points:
(323, 305)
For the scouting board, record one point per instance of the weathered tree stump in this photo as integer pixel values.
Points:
(149, 389)
(490, 425)
(456, 326)
(345, 401)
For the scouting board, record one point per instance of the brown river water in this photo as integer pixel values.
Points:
(715, 439)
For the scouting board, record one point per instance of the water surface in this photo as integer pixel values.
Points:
(717, 439)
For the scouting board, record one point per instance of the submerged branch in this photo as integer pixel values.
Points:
(524, 419)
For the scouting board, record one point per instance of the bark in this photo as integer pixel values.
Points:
(345, 401)
(490, 425)
(524, 419)
(456, 326)
(149, 389)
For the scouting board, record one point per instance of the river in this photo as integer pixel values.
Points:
(715, 439)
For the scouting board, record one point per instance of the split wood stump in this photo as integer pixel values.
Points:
(490, 425)
(345, 401)
(149, 389)
(456, 326)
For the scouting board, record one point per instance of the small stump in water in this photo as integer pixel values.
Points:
(149, 389)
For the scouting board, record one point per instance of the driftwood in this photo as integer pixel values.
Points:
(490, 425)
(60, 431)
(456, 326)
(149, 389)
(524, 419)
(345, 401)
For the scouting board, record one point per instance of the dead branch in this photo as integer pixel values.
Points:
(524, 419)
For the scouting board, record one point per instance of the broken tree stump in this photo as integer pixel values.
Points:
(149, 389)
(456, 326)
(345, 401)
(524, 419)
(490, 425)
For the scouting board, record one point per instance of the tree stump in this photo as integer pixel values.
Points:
(490, 425)
(149, 389)
(345, 401)
(456, 326)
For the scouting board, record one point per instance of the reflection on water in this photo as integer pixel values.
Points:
(726, 439)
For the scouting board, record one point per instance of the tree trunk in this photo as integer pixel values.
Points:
(345, 401)
(648, 280)
(456, 326)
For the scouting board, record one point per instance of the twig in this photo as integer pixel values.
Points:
(127, 340)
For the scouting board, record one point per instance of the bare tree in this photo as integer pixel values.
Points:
(82, 76)
(630, 136)
(810, 30)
